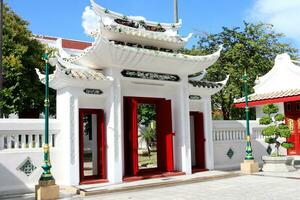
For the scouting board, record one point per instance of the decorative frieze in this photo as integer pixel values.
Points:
(230, 153)
(150, 75)
(92, 91)
(27, 167)
(195, 97)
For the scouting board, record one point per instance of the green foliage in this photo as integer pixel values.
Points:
(269, 131)
(146, 114)
(148, 134)
(284, 131)
(265, 120)
(252, 47)
(279, 117)
(287, 145)
(270, 109)
(23, 93)
(270, 140)
(275, 129)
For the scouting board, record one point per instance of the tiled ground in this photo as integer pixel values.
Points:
(263, 186)
(237, 188)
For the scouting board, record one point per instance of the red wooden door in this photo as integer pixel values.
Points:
(292, 114)
(99, 150)
(199, 140)
(131, 136)
(294, 125)
(164, 136)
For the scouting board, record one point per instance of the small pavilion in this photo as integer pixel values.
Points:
(280, 86)
(100, 86)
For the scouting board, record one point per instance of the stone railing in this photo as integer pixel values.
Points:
(20, 134)
(229, 140)
(235, 130)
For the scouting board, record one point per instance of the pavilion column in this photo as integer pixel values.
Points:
(182, 129)
(208, 132)
(114, 128)
(68, 140)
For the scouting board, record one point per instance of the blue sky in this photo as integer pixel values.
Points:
(63, 18)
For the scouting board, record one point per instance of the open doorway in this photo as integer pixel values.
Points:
(157, 156)
(197, 141)
(147, 139)
(92, 146)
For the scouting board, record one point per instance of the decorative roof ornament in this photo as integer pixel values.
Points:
(103, 12)
(206, 87)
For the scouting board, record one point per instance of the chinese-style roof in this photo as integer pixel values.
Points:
(101, 11)
(280, 84)
(205, 84)
(133, 29)
(206, 88)
(68, 77)
(272, 97)
(84, 74)
(104, 53)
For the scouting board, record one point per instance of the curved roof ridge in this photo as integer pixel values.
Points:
(99, 10)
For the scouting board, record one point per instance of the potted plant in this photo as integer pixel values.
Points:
(276, 134)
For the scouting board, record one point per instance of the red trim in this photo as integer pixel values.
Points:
(68, 43)
(71, 44)
(157, 174)
(93, 181)
(268, 101)
(101, 144)
(196, 170)
(164, 135)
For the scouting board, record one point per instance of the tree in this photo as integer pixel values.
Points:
(276, 127)
(252, 48)
(146, 114)
(23, 94)
(149, 136)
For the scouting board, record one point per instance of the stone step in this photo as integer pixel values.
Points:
(151, 183)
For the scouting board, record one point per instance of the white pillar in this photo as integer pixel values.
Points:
(209, 148)
(114, 129)
(182, 124)
(68, 139)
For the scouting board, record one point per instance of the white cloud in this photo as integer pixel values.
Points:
(89, 21)
(283, 14)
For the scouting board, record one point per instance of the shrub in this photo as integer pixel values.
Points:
(276, 127)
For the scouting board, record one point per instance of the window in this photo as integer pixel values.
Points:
(298, 106)
(288, 107)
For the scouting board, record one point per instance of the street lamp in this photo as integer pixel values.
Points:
(249, 155)
(46, 176)
(47, 189)
(249, 165)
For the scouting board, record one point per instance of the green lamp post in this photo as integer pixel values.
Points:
(46, 176)
(249, 155)
(249, 165)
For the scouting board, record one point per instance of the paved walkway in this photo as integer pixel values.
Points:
(237, 188)
(262, 186)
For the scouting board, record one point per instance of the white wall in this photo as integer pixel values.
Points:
(232, 134)
(13, 152)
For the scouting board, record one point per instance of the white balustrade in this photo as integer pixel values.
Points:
(19, 134)
(235, 130)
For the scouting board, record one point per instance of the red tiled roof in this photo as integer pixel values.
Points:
(72, 44)
(68, 43)
(272, 97)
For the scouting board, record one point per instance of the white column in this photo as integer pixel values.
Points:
(68, 140)
(114, 129)
(182, 139)
(209, 148)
